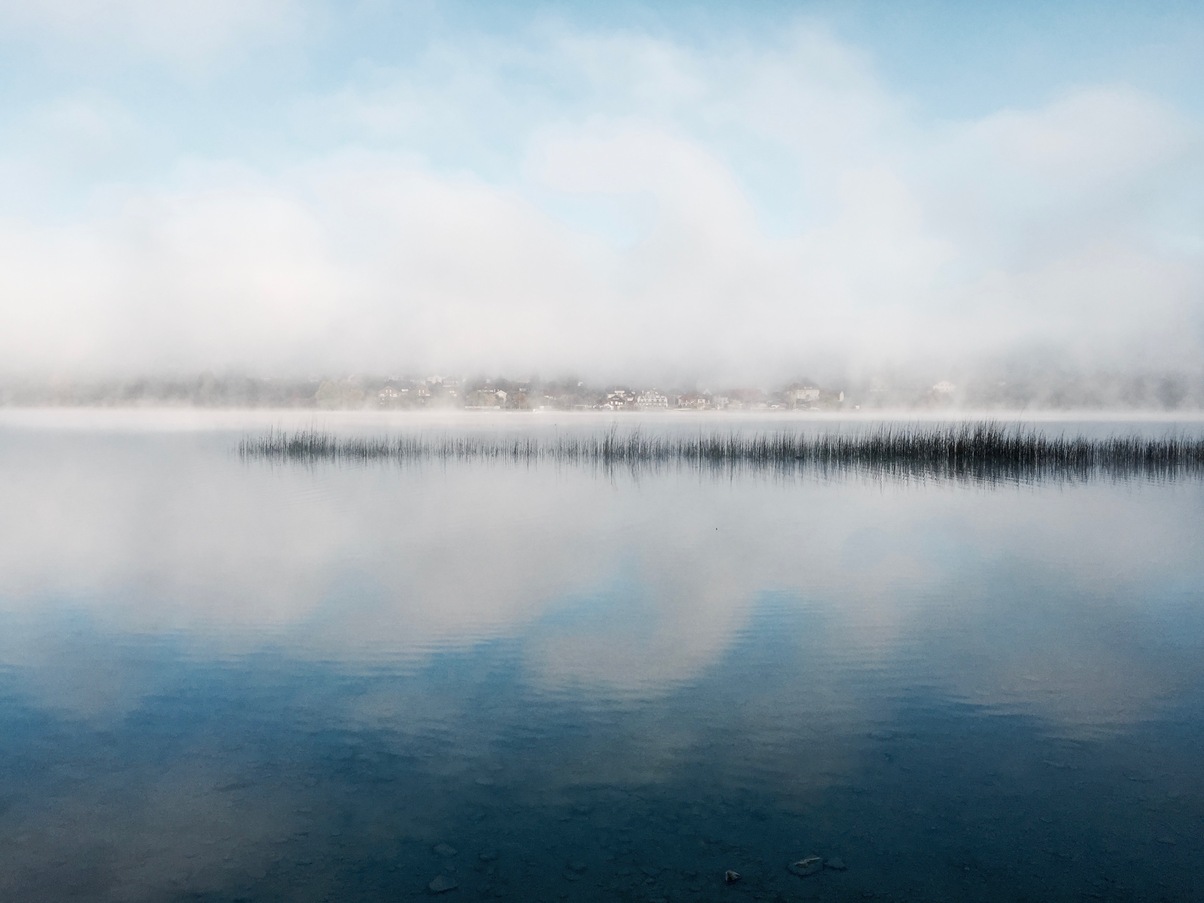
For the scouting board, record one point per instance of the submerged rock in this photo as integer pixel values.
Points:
(442, 884)
(807, 866)
(836, 864)
(444, 849)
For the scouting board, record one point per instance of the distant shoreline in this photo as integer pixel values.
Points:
(953, 414)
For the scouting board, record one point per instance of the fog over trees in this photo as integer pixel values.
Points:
(1008, 389)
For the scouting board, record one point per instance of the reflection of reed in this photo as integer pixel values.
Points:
(972, 451)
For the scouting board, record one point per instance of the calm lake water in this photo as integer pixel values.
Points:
(230, 680)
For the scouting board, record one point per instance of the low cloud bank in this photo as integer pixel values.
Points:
(730, 213)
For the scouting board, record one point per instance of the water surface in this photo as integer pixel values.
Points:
(224, 680)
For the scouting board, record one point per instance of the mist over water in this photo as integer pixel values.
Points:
(224, 679)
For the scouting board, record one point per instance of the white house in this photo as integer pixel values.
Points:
(650, 398)
(803, 394)
(618, 399)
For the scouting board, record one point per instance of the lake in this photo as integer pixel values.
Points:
(225, 679)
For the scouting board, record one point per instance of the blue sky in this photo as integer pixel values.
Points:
(709, 188)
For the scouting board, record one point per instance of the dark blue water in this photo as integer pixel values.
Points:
(228, 681)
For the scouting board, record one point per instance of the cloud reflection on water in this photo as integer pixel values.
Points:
(217, 672)
(615, 586)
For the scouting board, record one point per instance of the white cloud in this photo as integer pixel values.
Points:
(1086, 140)
(601, 202)
(190, 34)
(1094, 161)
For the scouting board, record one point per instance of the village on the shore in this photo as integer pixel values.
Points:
(437, 392)
(1041, 389)
(576, 395)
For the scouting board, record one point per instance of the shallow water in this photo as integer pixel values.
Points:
(225, 680)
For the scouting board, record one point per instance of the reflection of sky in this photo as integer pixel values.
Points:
(1022, 596)
(213, 672)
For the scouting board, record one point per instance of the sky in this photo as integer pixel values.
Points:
(698, 189)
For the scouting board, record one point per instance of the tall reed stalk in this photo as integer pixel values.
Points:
(981, 451)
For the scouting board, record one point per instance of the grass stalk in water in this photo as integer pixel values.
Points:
(976, 451)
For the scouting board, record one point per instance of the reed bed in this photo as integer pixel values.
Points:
(976, 451)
